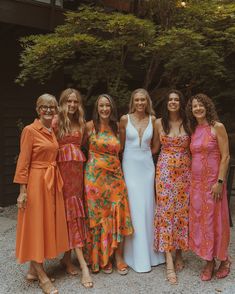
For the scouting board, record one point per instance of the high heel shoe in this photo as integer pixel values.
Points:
(70, 268)
(48, 288)
(32, 278)
(171, 276)
(122, 268)
(108, 269)
(224, 269)
(207, 273)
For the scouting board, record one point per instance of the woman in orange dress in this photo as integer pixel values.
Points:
(41, 227)
(70, 130)
(105, 190)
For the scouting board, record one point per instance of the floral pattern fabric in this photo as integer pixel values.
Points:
(70, 160)
(172, 189)
(106, 198)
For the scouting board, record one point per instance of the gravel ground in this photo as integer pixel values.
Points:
(12, 275)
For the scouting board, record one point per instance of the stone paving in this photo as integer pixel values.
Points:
(12, 275)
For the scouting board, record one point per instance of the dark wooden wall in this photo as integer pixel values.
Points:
(29, 13)
(16, 103)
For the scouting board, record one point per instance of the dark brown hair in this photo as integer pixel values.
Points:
(113, 116)
(211, 114)
(165, 112)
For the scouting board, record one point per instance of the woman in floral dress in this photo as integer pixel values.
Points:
(105, 190)
(208, 214)
(70, 128)
(172, 183)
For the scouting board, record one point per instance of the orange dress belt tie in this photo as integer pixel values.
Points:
(52, 173)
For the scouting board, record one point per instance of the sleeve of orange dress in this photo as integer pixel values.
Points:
(24, 159)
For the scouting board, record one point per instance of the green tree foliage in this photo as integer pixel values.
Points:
(93, 48)
(190, 46)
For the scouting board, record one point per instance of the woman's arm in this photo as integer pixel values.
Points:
(156, 138)
(23, 165)
(122, 131)
(222, 138)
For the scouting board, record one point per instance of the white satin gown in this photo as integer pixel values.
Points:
(139, 173)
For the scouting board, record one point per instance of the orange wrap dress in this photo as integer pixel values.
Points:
(41, 227)
(106, 199)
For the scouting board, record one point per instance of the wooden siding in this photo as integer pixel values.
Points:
(16, 103)
(31, 13)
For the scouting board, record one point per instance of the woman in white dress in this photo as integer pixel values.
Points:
(137, 135)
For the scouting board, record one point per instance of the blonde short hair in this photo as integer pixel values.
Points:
(46, 98)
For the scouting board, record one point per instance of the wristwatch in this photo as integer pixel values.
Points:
(220, 181)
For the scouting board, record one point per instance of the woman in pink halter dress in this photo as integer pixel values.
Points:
(208, 214)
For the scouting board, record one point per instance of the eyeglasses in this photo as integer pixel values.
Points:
(46, 108)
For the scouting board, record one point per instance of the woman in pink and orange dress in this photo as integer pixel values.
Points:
(208, 214)
(172, 183)
(70, 128)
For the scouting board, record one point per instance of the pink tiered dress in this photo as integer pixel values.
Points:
(208, 219)
(70, 161)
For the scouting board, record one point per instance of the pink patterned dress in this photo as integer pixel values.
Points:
(172, 189)
(208, 219)
(70, 161)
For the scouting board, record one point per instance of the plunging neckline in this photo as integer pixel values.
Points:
(140, 138)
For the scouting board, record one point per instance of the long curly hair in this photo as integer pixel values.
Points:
(211, 114)
(149, 109)
(113, 116)
(166, 115)
(64, 123)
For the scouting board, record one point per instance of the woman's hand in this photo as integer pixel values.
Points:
(217, 191)
(21, 200)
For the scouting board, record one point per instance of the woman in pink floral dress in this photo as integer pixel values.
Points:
(172, 183)
(70, 130)
(208, 214)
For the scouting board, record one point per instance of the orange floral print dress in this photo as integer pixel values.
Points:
(172, 188)
(106, 199)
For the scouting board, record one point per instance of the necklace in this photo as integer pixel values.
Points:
(49, 129)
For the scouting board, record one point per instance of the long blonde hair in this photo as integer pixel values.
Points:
(149, 109)
(64, 123)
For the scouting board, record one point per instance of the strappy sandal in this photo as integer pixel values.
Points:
(32, 278)
(207, 273)
(48, 288)
(108, 269)
(171, 276)
(122, 268)
(71, 269)
(224, 269)
(86, 281)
